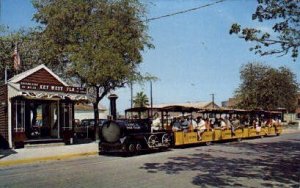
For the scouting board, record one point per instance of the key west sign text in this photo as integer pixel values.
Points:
(53, 88)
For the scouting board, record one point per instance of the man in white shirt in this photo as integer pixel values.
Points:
(223, 124)
(200, 127)
(156, 124)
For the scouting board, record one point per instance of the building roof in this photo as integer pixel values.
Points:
(88, 107)
(29, 72)
(41, 75)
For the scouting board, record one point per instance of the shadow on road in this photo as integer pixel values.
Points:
(239, 164)
(6, 153)
(127, 154)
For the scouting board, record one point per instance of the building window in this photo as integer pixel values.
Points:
(298, 102)
(19, 116)
(67, 116)
(298, 116)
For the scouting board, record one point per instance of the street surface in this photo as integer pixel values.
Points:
(267, 162)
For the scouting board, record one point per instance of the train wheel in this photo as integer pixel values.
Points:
(101, 151)
(152, 141)
(239, 139)
(165, 140)
(208, 143)
(131, 147)
(138, 147)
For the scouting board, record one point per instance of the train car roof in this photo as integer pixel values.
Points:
(222, 110)
(179, 108)
(182, 108)
(140, 109)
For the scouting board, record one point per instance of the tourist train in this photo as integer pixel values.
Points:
(174, 126)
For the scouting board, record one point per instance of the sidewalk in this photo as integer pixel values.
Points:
(46, 153)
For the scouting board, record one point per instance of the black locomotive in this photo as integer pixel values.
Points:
(131, 136)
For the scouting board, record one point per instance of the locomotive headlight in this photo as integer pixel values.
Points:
(111, 132)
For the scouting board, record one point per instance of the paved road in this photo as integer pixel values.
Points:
(268, 162)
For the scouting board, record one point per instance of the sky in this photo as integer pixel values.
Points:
(194, 55)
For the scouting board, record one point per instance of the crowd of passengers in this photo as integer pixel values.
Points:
(201, 124)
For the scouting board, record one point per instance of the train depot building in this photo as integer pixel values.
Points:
(37, 106)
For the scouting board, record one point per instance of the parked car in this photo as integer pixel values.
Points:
(77, 122)
(91, 122)
(86, 128)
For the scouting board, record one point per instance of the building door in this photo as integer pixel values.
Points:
(66, 120)
(18, 120)
(41, 119)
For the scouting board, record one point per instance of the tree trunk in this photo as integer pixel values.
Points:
(96, 118)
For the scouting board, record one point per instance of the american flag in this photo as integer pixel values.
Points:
(17, 59)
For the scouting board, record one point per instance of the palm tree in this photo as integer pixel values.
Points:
(141, 100)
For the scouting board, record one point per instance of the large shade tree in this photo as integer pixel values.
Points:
(264, 87)
(98, 42)
(285, 36)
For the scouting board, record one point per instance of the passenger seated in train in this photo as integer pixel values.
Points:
(176, 125)
(156, 124)
(208, 124)
(201, 127)
(228, 123)
(257, 125)
(268, 123)
(235, 124)
(245, 122)
(277, 123)
(216, 123)
(192, 124)
(223, 124)
(184, 123)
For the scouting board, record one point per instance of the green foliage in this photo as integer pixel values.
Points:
(97, 41)
(286, 36)
(27, 48)
(141, 100)
(264, 87)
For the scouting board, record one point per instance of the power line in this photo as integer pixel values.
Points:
(184, 11)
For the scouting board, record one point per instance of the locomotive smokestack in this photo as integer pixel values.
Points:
(113, 106)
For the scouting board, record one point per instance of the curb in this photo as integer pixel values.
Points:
(43, 159)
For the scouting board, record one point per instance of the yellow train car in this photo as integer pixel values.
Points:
(238, 133)
(184, 137)
(207, 137)
(217, 135)
(252, 132)
(263, 131)
(279, 130)
(226, 134)
(187, 135)
(245, 132)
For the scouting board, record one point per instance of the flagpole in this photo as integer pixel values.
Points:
(17, 60)
(5, 76)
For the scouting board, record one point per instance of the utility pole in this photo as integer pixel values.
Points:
(131, 95)
(213, 99)
(151, 98)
